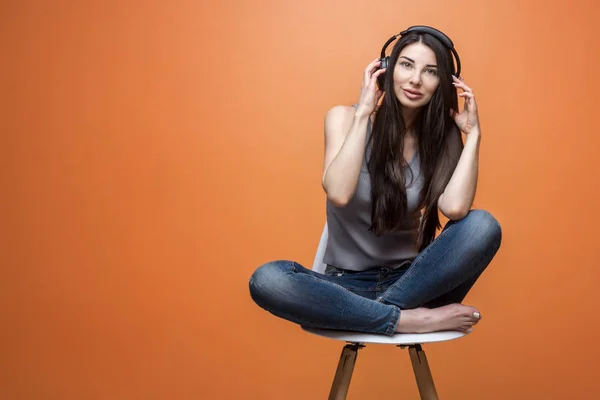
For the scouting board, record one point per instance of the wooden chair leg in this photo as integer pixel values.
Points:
(422, 373)
(343, 374)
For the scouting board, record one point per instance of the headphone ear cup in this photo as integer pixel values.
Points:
(384, 62)
(381, 78)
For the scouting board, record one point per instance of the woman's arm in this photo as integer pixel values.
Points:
(457, 199)
(458, 196)
(345, 134)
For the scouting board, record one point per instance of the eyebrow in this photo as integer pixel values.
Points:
(413, 61)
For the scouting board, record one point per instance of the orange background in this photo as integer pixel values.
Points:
(155, 153)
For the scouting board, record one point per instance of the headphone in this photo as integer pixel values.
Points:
(442, 37)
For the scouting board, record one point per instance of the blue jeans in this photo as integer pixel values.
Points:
(371, 301)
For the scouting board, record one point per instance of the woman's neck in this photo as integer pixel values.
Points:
(409, 115)
(410, 135)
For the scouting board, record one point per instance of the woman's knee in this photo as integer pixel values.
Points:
(269, 280)
(485, 227)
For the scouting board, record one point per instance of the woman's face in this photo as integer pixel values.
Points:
(415, 75)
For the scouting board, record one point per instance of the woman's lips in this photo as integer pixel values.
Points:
(412, 95)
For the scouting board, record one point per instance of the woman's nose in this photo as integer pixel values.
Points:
(415, 79)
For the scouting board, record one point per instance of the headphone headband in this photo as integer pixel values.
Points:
(442, 37)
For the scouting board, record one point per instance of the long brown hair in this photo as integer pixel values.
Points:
(439, 146)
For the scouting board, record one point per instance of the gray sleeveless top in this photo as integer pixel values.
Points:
(351, 246)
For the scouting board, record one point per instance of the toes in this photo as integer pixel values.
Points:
(471, 315)
(473, 312)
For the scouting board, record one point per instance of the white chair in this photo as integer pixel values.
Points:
(357, 340)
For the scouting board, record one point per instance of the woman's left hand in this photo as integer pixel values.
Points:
(467, 120)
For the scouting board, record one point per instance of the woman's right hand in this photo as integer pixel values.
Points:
(370, 93)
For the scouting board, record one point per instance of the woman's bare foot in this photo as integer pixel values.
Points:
(453, 317)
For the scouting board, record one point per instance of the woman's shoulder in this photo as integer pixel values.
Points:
(340, 111)
(339, 116)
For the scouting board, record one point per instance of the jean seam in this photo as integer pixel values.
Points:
(415, 263)
(393, 322)
(333, 283)
(366, 289)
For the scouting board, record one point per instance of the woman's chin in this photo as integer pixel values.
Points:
(409, 104)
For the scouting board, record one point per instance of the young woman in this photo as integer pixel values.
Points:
(390, 164)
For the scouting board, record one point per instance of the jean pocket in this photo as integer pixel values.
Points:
(330, 270)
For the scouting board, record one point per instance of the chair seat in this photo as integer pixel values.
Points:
(397, 339)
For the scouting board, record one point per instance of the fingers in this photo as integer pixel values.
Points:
(372, 65)
(469, 99)
(372, 80)
(468, 94)
(379, 72)
(463, 87)
(459, 83)
(370, 92)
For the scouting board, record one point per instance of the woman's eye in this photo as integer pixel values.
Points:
(431, 71)
(405, 64)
